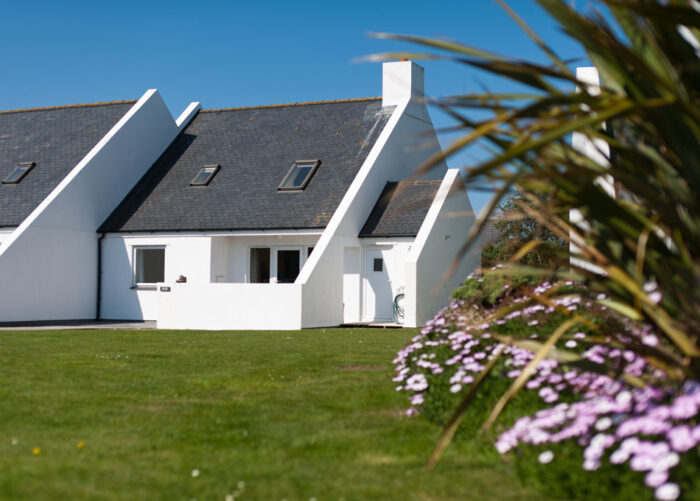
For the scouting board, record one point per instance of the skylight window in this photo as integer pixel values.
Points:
(299, 175)
(18, 174)
(205, 175)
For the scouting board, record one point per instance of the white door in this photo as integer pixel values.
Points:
(376, 288)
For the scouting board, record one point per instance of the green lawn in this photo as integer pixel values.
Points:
(283, 415)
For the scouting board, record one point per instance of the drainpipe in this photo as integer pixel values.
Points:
(98, 312)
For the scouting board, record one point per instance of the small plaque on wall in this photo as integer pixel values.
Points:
(165, 289)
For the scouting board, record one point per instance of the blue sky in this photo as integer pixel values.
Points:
(227, 54)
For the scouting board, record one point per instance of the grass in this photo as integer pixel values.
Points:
(291, 415)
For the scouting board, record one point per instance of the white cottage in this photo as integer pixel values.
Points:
(269, 217)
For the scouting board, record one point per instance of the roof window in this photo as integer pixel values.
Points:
(18, 174)
(205, 175)
(299, 175)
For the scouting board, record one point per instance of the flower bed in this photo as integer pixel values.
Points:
(586, 407)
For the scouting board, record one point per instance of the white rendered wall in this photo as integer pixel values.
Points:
(5, 234)
(202, 258)
(184, 255)
(407, 140)
(230, 306)
(395, 254)
(352, 275)
(437, 244)
(48, 267)
(597, 150)
(231, 254)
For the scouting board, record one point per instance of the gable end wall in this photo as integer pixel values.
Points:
(48, 267)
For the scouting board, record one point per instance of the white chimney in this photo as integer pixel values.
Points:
(590, 76)
(401, 80)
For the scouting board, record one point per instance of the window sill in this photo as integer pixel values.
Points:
(143, 287)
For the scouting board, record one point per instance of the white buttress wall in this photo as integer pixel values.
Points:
(408, 139)
(437, 245)
(48, 267)
(5, 234)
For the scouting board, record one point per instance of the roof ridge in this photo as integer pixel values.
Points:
(64, 106)
(292, 104)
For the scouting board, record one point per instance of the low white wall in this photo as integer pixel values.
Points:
(201, 257)
(408, 139)
(48, 268)
(437, 244)
(5, 234)
(229, 306)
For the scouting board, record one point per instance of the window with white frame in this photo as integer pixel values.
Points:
(149, 265)
(276, 264)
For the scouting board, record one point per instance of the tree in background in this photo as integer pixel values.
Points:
(515, 229)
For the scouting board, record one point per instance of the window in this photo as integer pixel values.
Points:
(309, 250)
(205, 175)
(260, 265)
(149, 265)
(287, 266)
(378, 264)
(18, 174)
(298, 175)
(275, 264)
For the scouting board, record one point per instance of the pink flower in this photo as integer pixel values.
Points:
(417, 382)
(684, 407)
(667, 492)
(642, 463)
(417, 399)
(681, 438)
(656, 478)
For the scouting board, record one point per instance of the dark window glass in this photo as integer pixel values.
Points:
(378, 264)
(18, 174)
(287, 266)
(260, 265)
(205, 175)
(298, 176)
(150, 265)
(309, 251)
(300, 173)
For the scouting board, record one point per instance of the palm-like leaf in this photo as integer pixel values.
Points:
(647, 112)
(648, 102)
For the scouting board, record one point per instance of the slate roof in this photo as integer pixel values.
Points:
(401, 209)
(255, 147)
(56, 139)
